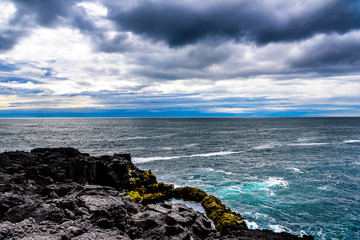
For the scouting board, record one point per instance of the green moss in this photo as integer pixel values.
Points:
(135, 196)
(153, 197)
(147, 178)
(140, 189)
(221, 215)
(189, 193)
(145, 189)
(159, 187)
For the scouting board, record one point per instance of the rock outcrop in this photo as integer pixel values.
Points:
(63, 194)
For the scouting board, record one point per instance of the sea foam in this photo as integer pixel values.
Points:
(293, 169)
(307, 144)
(218, 171)
(251, 225)
(149, 159)
(352, 141)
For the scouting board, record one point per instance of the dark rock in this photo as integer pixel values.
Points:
(147, 219)
(158, 208)
(63, 194)
(55, 152)
(174, 230)
(9, 200)
(48, 212)
(246, 234)
(174, 218)
(21, 212)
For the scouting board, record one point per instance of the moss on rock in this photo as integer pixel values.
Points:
(145, 189)
(135, 196)
(221, 215)
(189, 193)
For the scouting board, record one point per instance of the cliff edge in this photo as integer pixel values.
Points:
(61, 193)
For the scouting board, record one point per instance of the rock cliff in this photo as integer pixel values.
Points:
(61, 193)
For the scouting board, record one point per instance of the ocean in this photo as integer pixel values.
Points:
(298, 175)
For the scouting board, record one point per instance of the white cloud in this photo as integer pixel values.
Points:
(67, 69)
(94, 8)
(7, 12)
(8, 102)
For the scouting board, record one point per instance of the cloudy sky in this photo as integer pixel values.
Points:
(179, 58)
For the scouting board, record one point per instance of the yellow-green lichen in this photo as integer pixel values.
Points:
(221, 215)
(145, 189)
(135, 196)
(189, 193)
(153, 197)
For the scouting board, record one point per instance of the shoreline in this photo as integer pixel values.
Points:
(44, 173)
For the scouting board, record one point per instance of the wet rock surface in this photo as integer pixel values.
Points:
(64, 194)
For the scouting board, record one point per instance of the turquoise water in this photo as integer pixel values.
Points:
(299, 175)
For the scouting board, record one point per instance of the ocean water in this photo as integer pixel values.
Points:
(299, 175)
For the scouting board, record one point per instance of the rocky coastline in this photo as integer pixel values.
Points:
(61, 193)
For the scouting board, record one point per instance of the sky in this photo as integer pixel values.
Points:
(189, 58)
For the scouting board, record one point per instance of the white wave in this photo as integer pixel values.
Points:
(276, 181)
(209, 169)
(147, 137)
(266, 146)
(212, 154)
(296, 170)
(190, 145)
(219, 171)
(134, 138)
(177, 186)
(270, 185)
(272, 182)
(166, 148)
(234, 189)
(251, 225)
(306, 139)
(224, 172)
(277, 228)
(149, 159)
(260, 216)
(306, 144)
(352, 141)
(325, 188)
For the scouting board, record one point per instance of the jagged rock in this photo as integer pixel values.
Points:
(64, 194)
(157, 208)
(246, 234)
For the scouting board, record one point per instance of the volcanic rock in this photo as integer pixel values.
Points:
(63, 194)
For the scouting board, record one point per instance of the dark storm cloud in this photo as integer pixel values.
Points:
(46, 13)
(195, 58)
(179, 24)
(185, 23)
(118, 43)
(54, 13)
(333, 52)
(30, 13)
(8, 38)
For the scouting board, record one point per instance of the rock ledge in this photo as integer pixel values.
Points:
(61, 193)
